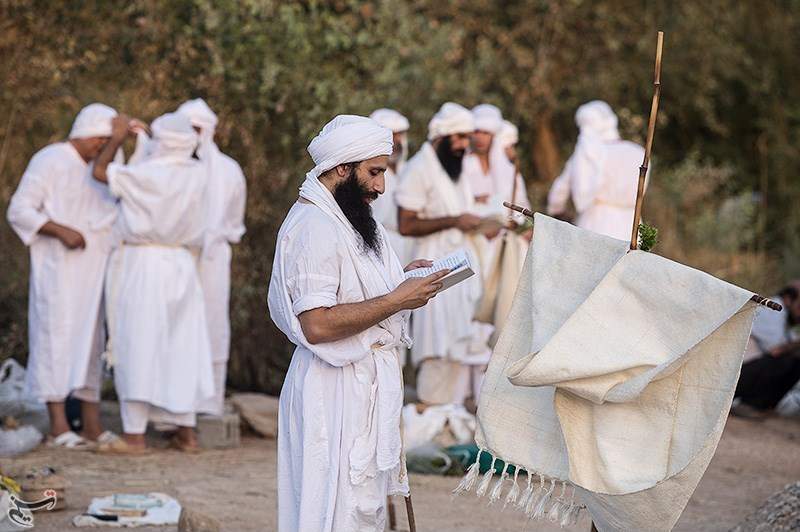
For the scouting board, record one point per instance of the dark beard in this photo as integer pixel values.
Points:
(450, 161)
(351, 196)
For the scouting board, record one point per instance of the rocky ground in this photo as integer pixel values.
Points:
(237, 487)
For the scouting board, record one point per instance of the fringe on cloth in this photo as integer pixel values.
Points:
(536, 501)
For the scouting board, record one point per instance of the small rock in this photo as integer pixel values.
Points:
(191, 521)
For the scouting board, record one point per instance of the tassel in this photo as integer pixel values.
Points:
(535, 498)
(559, 506)
(513, 493)
(522, 501)
(469, 479)
(486, 480)
(573, 512)
(539, 510)
(497, 490)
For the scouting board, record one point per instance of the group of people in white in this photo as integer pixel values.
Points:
(130, 261)
(364, 218)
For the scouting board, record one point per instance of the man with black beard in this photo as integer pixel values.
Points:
(450, 347)
(339, 294)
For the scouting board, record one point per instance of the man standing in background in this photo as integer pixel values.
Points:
(601, 176)
(159, 337)
(384, 209)
(225, 198)
(436, 205)
(65, 218)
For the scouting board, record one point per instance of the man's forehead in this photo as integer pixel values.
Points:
(381, 161)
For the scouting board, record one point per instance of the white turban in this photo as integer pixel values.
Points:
(391, 119)
(173, 134)
(348, 139)
(94, 120)
(487, 118)
(507, 136)
(596, 120)
(450, 120)
(200, 114)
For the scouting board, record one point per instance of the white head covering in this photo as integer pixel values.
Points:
(507, 136)
(348, 139)
(201, 115)
(597, 120)
(173, 135)
(450, 119)
(487, 118)
(94, 120)
(391, 119)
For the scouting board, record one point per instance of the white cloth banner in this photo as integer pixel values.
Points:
(614, 375)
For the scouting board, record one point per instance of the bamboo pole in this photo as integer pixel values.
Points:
(761, 300)
(651, 129)
(412, 524)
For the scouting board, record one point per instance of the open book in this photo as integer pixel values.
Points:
(458, 262)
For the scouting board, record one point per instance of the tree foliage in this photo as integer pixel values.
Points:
(277, 71)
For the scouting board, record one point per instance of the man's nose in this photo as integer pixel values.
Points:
(380, 184)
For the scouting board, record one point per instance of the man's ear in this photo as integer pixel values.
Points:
(342, 170)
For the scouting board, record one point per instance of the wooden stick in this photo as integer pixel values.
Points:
(761, 300)
(651, 129)
(412, 525)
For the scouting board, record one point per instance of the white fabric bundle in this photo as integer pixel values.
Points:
(348, 139)
(618, 385)
(94, 120)
(487, 118)
(450, 119)
(173, 136)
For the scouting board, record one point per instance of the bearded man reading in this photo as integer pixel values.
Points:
(338, 293)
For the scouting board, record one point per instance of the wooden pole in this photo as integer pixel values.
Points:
(651, 129)
(761, 300)
(412, 524)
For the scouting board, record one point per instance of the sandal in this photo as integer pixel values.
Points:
(121, 447)
(69, 440)
(177, 444)
(107, 437)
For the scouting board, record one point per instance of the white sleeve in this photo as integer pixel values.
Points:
(234, 210)
(25, 210)
(558, 196)
(312, 271)
(412, 192)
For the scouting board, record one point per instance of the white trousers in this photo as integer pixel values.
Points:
(136, 414)
(441, 381)
(216, 405)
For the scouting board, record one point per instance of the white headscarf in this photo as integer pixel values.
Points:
(348, 139)
(94, 120)
(450, 119)
(487, 118)
(507, 136)
(597, 120)
(200, 115)
(391, 119)
(173, 135)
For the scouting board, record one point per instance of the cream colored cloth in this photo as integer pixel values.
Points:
(442, 382)
(615, 374)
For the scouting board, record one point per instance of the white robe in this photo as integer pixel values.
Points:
(339, 447)
(159, 339)
(384, 210)
(65, 323)
(225, 197)
(444, 328)
(602, 181)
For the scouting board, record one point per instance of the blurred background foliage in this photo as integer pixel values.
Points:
(724, 190)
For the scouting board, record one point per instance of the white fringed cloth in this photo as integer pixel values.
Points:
(610, 385)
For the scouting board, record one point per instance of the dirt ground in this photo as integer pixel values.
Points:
(237, 487)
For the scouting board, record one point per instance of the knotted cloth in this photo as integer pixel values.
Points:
(613, 376)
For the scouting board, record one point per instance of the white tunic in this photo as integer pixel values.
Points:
(602, 182)
(384, 209)
(66, 286)
(226, 197)
(339, 450)
(156, 317)
(443, 328)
